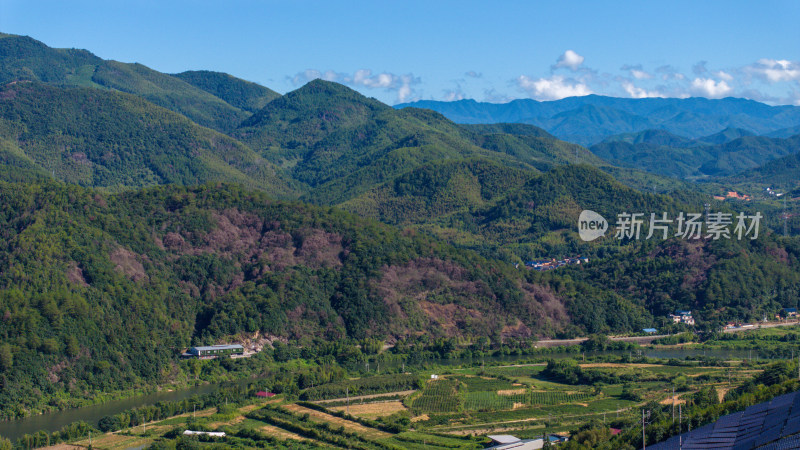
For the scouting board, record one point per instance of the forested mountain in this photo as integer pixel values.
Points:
(588, 120)
(782, 173)
(343, 144)
(694, 159)
(24, 58)
(438, 189)
(101, 291)
(108, 139)
(242, 94)
(539, 217)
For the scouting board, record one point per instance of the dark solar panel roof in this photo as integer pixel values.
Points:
(772, 425)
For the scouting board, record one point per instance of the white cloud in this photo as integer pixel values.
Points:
(776, 70)
(637, 92)
(570, 60)
(724, 75)
(669, 73)
(637, 72)
(400, 84)
(473, 74)
(553, 88)
(454, 95)
(707, 87)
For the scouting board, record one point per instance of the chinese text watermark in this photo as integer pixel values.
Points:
(715, 225)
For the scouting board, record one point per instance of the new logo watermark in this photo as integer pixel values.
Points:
(591, 225)
(716, 225)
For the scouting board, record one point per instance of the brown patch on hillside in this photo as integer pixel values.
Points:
(694, 258)
(75, 275)
(542, 305)
(449, 316)
(127, 263)
(235, 233)
(173, 242)
(780, 254)
(442, 291)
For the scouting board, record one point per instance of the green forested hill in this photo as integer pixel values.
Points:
(437, 189)
(108, 139)
(698, 161)
(552, 202)
(101, 292)
(343, 144)
(24, 58)
(242, 94)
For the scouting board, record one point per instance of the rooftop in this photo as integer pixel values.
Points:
(219, 347)
(775, 422)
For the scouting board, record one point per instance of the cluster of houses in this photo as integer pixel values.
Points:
(684, 317)
(550, 264)
(769, 191)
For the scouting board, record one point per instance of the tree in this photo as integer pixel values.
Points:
(6, 357)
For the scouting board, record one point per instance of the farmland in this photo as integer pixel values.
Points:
(451, 407)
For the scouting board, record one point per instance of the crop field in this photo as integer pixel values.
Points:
(439, 396)
(457, 410)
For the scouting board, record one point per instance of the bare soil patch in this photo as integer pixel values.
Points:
(511, 391)
(373, 410)
(280, 433)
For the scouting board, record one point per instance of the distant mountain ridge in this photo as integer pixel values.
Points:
(588, 120)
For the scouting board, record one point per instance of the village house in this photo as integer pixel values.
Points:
(684, 317)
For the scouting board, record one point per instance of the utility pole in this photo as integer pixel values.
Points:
(644, 439)
(680, 427)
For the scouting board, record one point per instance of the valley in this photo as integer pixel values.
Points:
(395, 255)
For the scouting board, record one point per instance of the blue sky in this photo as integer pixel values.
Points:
(447, 50)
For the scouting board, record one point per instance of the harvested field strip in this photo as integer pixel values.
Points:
(373, 410)
(511, 391)
(280, 433)
(353, 427)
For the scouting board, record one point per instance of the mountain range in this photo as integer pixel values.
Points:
(590, 119)
(143, 211)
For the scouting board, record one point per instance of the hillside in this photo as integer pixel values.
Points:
(242, 94)
(24, 58)
(437, 189)
(343, 144)
(108, 139)
(551, 203)
(782, 173)
(100, 292)
(695, 159)
(590, 119)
